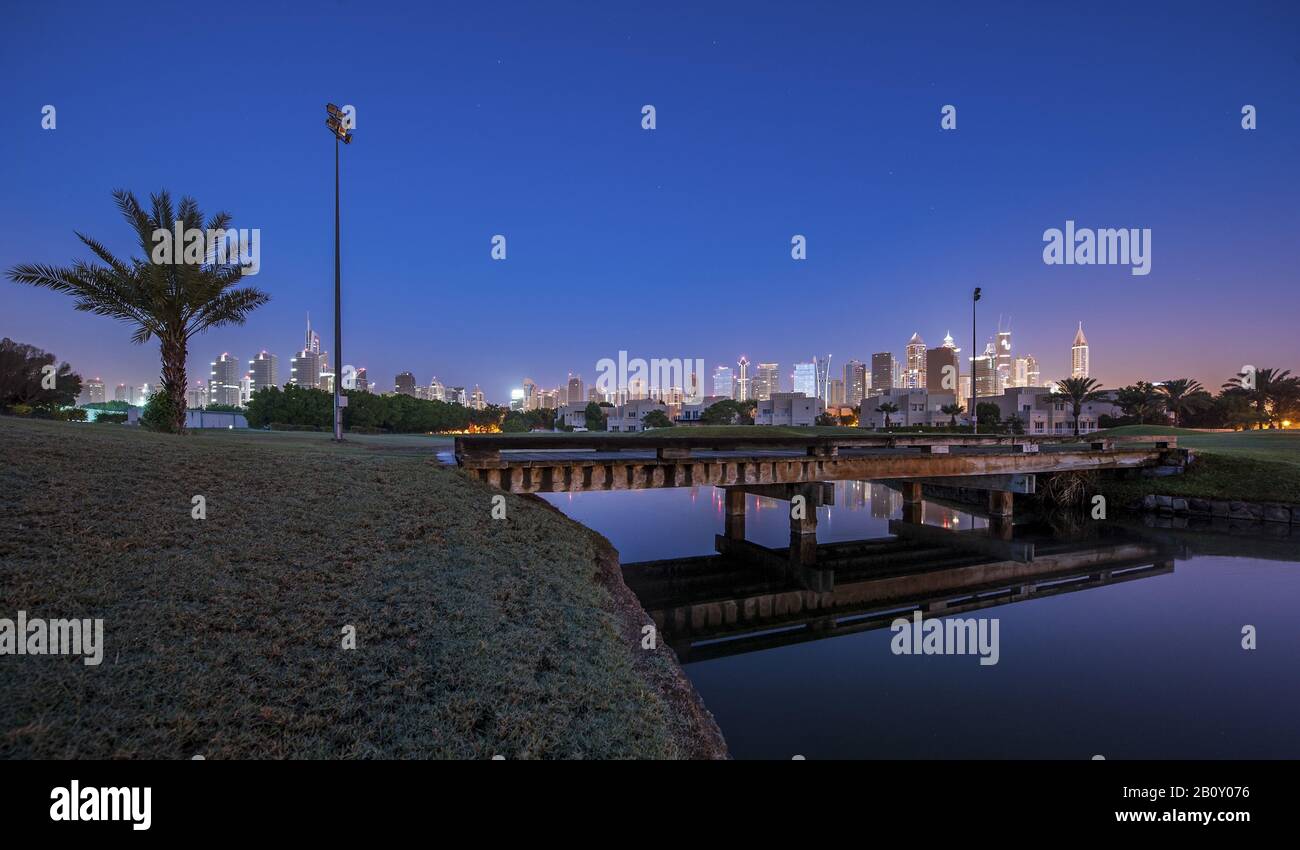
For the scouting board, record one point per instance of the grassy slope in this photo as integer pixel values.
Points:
(1253, 466)
(476, 637)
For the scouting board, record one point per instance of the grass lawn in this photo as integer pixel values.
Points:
(1251, 466)
(223, 636)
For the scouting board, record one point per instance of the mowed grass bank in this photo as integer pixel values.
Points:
(1250, 466)
(223, 636)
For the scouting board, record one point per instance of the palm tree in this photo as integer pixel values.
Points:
(1268, 392)
(171, 301)
(952, 410)
(1079, 391)
(1184, 396)
(887, 408)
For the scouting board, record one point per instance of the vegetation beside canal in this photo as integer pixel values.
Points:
(1248, 466)
(223, 636)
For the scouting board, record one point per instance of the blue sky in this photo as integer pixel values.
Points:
(772, 119)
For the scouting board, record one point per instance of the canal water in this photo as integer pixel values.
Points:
(1113, 639)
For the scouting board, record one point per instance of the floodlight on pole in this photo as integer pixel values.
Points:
(337, 125)
(974, 368)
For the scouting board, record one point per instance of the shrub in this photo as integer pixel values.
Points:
(159, 414)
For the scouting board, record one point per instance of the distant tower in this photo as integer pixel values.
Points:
(914, 376)
(723, 383)
(768, 381)
(1003, 362)
(265, 370)
(805, 379)
(1079, 355)
(224, 380)
(742, 380)
(823, 368)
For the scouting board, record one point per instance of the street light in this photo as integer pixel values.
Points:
(974, 367)
(337, 124)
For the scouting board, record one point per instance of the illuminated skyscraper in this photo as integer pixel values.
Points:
(743, 389)
(94, 391)
(823, 378)
(883, 370)
(805, 379)
(264, 370)
(767, 381)
(723, 382)
(1079, 355)
(224, 380)
(575, 392)
(363, 381)
(476, 399)
(855, 382)
(404, 384)
(914, 373)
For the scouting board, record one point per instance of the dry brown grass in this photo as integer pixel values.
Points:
(476, 637)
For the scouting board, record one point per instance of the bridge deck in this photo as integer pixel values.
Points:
(564, 463)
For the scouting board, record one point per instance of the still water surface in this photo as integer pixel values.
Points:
(1136, 654)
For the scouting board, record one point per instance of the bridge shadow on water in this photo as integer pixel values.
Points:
(751, 597)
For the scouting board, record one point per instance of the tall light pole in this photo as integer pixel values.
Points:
(338, 126)
(974, 368)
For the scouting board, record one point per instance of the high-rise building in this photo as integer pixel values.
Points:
(855, 382)
(1003, 362)
(767, 381)
(265, 371)
(196, 398)
(575, 392)
(914, 372)
(93, 391)
(122, 393)
(823, 378)
(456, 395)
(476, 399)
(1031, 371)
(723, 382)
(223, 382)
(805, 379)
(437, 390)
(1079, 365)
(140, 395)
(532, 395)
(986, 373)
(404, 384)
(363, 381)
(742, 379)
(305, 369)
(836, 392)
(326, 381)
(883, 371)
(942, 372)
(311, 341)
(245, 389)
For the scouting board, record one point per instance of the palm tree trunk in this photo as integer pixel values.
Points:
(174, 354)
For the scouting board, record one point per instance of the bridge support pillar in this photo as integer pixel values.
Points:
(912, 505)
(1000, 503)
(803, 537)
(735, 515)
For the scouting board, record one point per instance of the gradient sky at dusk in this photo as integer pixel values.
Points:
(773, 119)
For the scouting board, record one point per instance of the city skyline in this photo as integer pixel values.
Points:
(603, 216)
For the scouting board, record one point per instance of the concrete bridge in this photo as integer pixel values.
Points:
(572, 463)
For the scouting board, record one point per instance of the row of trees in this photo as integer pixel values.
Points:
(305, 407)
(1257, 398)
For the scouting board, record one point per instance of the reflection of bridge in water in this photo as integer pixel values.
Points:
(752, 598)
